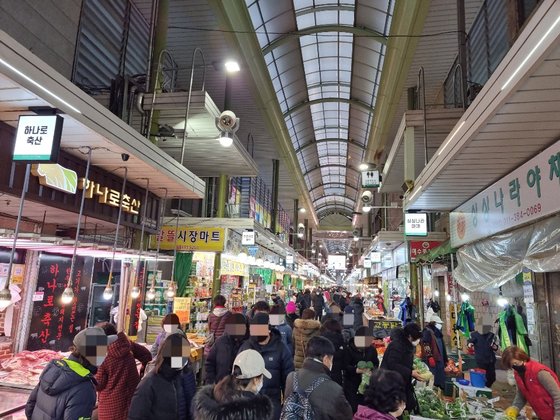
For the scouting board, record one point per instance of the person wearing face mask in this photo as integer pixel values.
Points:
(277, 357)
(360, 349)
(170, 324)
(236, 396)
(385, 397)
(327, 397)
(66, 388)
(537, 385)
(220, 359)
(434, 353)
(167, 391)
(399, 357)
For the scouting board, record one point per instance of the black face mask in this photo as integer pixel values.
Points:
(519, 369)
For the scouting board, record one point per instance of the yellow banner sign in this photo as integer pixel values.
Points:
(233, 268)
(190, 239)
(182, 307)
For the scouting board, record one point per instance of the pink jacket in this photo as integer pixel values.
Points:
(366, 413)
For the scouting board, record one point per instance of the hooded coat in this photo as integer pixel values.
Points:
(66, 390)
(160, 396)
(358, 306)
(278, 361)
(117, 377)
(339, 360)
(399, 357)
(352, 379)
(245, 406)
(304, 330)
(219, 362)
(366, 413)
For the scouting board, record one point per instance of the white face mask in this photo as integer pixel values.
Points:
(416, 342)
(259, 386)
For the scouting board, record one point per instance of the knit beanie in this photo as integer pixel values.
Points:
(291, 308)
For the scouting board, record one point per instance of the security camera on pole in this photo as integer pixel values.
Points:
(228, 124)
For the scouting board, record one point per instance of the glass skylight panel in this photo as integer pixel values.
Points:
(305, 20)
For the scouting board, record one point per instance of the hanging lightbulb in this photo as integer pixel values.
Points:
(67, 296)
(170, 291)
(448, 298)
(108, 293)
(151, 294)
(135, 292)
(502, 301)
(464, 297)
(5, 299)
(436, 293)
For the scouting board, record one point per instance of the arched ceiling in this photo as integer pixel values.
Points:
(324, 58)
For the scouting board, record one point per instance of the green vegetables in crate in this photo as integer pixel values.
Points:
(367, 368)
(430, 405)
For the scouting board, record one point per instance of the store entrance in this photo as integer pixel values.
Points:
(552, 287)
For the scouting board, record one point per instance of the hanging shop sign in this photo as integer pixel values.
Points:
(191, 239)
(233, 268)
(375, 257)
(109, 196)
(370, 179)
(182, 307)
(416, 224)
(455, 337)
(56, 177)
(418, 248)
(289, 259)
(248, 237)
(38, 138)
(525, 195)
(53, 325)
(367, 263)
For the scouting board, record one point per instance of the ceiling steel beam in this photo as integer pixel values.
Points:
(313, 30)
(342, 184)
(332, 165)
(307, 104)
(311, 143)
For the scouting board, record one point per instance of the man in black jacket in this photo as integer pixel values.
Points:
(399, 357)
(277, 358)
(328, 400)
(220, 359)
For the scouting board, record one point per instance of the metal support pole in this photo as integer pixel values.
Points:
(227, 96)
(275, 177)
(305, 237)
(160, 235)
(6, 292)
(143, 222)
(295, 223)
(462, 45)
(419, 269)
(222, 194)
(83, 199)
(422, 82)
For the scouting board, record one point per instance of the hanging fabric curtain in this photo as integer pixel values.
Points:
(287, 281)
(496, 260)
(266, 275)
(183, 265)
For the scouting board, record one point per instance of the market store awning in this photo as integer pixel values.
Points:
(26, 81)
(513, 118)
(436, 253)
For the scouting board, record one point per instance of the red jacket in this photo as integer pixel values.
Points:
(118, 377)
(534, 392)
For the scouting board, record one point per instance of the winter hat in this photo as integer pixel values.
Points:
(291, 308)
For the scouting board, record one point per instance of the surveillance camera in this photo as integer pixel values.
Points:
(125, 157)
(228, 122)
(367, 197)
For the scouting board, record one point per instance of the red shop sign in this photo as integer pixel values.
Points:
(421, 247)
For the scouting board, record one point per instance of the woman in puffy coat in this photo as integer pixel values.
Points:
(166, 392)
(304, 329)
(385, 397)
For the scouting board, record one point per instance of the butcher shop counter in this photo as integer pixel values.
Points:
(12, 403)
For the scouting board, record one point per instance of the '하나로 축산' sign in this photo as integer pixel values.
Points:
(530, 192)
(38, 138)
(191, 239)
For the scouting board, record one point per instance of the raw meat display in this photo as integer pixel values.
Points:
(24, 369)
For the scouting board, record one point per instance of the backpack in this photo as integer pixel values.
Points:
(297, 405)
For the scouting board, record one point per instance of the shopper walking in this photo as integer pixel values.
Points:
(117, 377)
(216, 322)
(385, 397)
(278, 321)
(277, 358)
(66, 388)
(170, 324)
(326, 397)
(358, 306)
(537, 385)
(318, 304)
(304, 329)
(360, 351)
(485, 352)
(399, 357)
(434, 353)
(236, 396)
(304, 301)
(167, 391)
(332, 330)
(291, 315)
(220, 359)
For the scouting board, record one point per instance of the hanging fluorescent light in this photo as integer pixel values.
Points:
(356, 238)
(464, 297)
(232, 66)
(302, 210)
(436, 293)
(363, 167)
(170, 291)
(226, 139)
(416, 192)
(502, 301)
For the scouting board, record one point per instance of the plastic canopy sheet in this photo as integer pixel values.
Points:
(496, 260)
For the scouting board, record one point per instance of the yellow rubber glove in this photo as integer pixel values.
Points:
(512, 412)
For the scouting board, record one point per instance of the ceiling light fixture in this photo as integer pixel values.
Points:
(531, 53)
(363, 166)
(302, 210)
(451, 138)
(366, 209)
(232, 66)
(226, 139)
